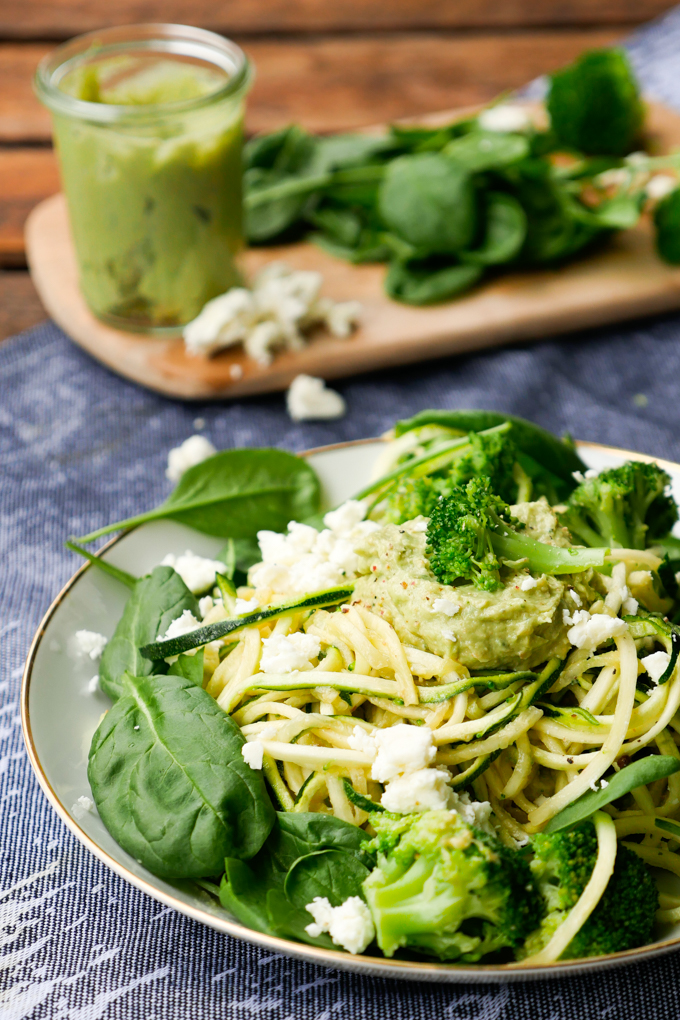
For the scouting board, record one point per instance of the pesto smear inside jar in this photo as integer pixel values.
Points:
(149, 143)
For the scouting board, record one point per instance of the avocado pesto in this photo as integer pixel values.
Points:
(443, 722)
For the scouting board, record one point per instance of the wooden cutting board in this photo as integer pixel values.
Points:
(623, 281)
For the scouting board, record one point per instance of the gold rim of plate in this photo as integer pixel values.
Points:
(381, 967)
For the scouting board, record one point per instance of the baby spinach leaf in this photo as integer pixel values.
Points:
(638, 773)
(506, 228)
(430, 201)
(156, 601)
(487, 150)
(235, 494)
(107, 568)
(170, 783)
(306, 855)
(426, 281)
(553, 454)
(190, 667)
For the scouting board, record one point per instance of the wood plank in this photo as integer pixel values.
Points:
(20, 306)
(333, 84)
(59, 19)
(26, 177)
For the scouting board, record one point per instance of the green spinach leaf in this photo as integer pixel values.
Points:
(170, 783)
(107, 568)
(426, 281)
(487, 150)
(506, 228)
(638, 773)
(156, 601)
(429, 201)
(189, 666)
(306, 855)
(235, 494)
(553, 454)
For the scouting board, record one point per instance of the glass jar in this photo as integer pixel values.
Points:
(148, 126)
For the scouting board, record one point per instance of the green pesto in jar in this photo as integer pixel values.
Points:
(154, 198)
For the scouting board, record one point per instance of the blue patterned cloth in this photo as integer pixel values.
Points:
(79, 447)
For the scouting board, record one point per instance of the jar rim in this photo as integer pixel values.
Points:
(182, 40)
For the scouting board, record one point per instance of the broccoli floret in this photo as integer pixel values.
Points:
(447, 889)
(494, 456)
(667, 223)
(626, 507)
(471, 531)
(595, 105)
(624, 917)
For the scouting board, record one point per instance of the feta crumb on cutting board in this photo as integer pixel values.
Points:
(309, 398)
(283, 305)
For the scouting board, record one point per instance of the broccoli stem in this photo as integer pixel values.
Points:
(546, 559)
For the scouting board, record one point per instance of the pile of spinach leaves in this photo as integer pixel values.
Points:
(445, 206)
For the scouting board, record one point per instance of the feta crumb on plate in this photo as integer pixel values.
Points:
(253, 753)
(89, 642)
(83, 806)
(349, 925)
(309, 399)
(283, 305)
(284, 653)
(197, 572)
(397, 750)
(504, 117)
(656, 665)
(192, 451)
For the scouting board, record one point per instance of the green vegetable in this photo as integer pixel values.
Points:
(107, 568)
(471, 531)
(156, 601)
(624, 507)
(170, 783)
(426, 281)
(646, 625)
(236, 493)
(506, 229)
(487, 150)
(624, 917)
(306, 855)
(638, 773)
(594, 104)
(429, 201)
(554, 455)
(190, 667)
(202, 636)
(667, 223)
(446, 889)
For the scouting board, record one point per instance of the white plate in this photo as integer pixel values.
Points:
(59, 718)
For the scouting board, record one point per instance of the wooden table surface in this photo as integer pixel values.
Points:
(327, 66)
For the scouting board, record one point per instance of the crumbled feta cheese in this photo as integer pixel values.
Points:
(419, 524)
(309, 399)
(305, 559)
(578, 476)
(656, 665)
(445, 606)
(603, 784)
(630, 606)
(588, 631)
(92, 686)
(528, 583)
(83, 806)
(192, 451)
(397, 750)
(591, 473)
(576, 597)
(283, 305)
(197, 572)
(89, 642)
(659, 186)
(349, 925)
(284, 653)
(205, 605)
(475, 812)
(424, 790)
(253, 753)
(244, 606)
(504, 117)
(184, 624)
